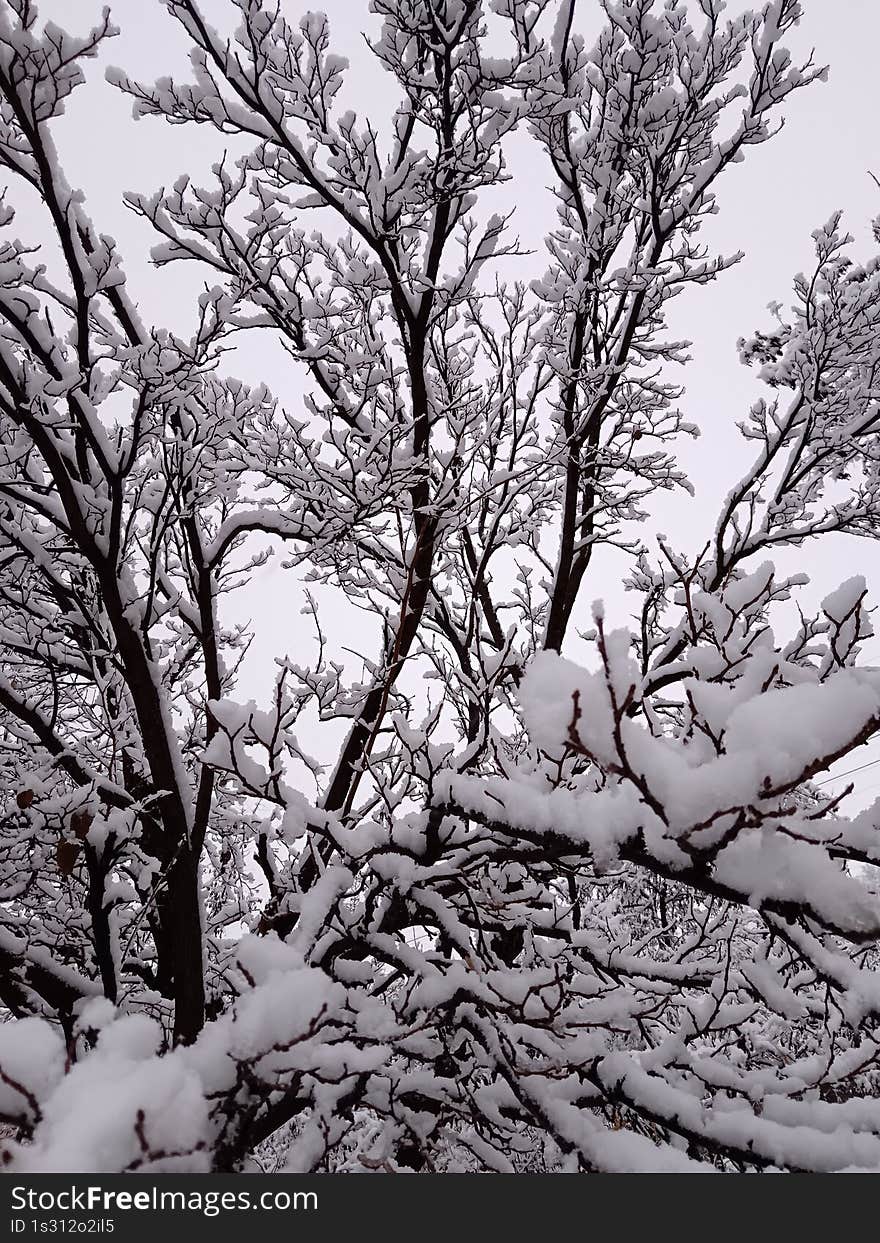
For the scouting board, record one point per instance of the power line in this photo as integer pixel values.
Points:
(848, 773)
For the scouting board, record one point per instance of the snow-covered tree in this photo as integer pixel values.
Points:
(528, 915)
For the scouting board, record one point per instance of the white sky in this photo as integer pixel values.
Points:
(768, 207)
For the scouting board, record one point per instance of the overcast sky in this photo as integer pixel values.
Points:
(768, 207)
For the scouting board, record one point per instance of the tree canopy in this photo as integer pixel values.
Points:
(472, 906)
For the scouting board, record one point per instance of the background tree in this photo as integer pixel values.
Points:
(535, 917)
